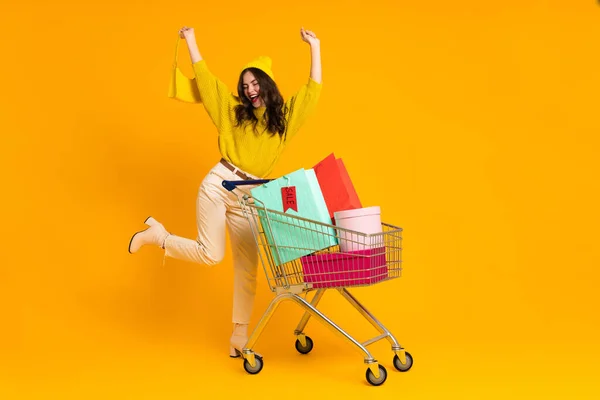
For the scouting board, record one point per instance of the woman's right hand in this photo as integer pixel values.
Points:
(186, 32)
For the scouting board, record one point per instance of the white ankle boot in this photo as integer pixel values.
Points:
(155, 235)
(239, 337)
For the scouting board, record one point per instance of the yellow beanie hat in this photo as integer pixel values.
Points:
(263, 63)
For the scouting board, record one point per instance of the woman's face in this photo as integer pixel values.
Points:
(252, 89)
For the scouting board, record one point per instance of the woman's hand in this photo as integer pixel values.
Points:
(309, 37)
(315, 53)
(186, 33)
(190, 38)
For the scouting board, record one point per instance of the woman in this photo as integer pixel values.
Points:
(253, 129)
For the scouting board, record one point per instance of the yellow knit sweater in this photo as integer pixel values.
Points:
(254, 153)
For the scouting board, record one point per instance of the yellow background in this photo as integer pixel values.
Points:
(474, 125)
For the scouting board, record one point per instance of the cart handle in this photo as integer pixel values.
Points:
(230, 185)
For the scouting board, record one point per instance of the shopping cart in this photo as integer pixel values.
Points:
(312, 256)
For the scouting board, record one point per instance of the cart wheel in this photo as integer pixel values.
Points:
(257, 368)
(403, 367)
(304, 349)
(377, 381)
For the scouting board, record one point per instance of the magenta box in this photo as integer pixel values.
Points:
(353, 268)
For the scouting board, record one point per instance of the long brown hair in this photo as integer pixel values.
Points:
(275, 113)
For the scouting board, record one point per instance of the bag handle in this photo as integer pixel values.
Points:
(176, 51)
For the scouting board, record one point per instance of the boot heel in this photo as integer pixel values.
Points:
(150, 221)
(155, 234)
(234, 353)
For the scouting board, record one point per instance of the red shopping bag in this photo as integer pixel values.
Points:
(336, 185)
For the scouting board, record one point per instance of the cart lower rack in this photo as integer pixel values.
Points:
(301, 256)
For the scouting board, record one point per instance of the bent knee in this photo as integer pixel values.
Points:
(209, 255)
(214, 257)
(213, 260)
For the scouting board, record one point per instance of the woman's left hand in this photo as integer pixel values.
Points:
(309, 37)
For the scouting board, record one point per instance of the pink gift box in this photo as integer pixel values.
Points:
(360, 267)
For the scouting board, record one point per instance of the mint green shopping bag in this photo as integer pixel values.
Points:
(296, 194)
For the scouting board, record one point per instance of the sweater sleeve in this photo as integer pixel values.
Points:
(301, 105)
(216, 97)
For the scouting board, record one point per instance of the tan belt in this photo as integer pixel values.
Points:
(235, 170)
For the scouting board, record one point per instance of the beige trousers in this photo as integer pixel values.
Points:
(218, 209)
